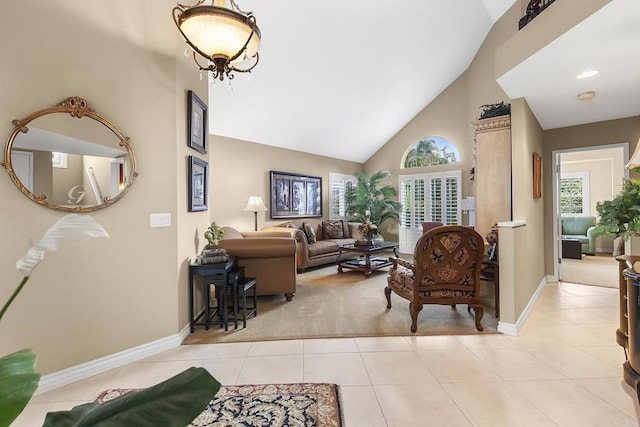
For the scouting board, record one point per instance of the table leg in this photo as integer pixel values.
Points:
(207, 303)
(192, 322)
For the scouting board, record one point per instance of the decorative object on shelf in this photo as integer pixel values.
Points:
(213, 235)
(534, 8)
(369, 230)
(371, 200)
(495, 110)
(212, 256)
(226, 37)
(95, 143)
(537, 175)
(295, 196)
(198, 178)
(255, 205)
(197, 118)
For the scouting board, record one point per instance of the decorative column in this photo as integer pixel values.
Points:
(492, 147)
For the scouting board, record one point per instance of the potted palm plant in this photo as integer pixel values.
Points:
(371, 200)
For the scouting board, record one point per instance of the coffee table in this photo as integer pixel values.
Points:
(369, 264)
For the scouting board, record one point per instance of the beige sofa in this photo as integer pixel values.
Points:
(269, 256)
(324, 250)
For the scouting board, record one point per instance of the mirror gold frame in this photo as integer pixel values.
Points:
(76, 107)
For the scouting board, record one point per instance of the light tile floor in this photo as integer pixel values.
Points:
(563, 369)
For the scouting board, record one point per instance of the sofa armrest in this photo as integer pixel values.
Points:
(263, 247)
(592, 239)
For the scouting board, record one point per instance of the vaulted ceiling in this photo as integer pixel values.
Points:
(341, 79)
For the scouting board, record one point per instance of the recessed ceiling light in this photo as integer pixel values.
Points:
(586, 96)
(587, 74)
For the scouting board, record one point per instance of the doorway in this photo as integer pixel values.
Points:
(583, 177)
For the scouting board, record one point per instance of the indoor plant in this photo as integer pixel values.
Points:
(620, 216)
(213, 235)
(372, 199)
(174, 402)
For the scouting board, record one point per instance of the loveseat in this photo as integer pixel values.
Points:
(269, 256)
(580, 228)
(324, 250)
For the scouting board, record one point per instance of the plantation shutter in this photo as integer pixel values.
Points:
(339, 186)
(427, 197)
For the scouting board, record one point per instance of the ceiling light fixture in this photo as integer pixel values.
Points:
(587, 74)
(586, 96)
(228, 38)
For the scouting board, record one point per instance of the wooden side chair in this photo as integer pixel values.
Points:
(446, 270)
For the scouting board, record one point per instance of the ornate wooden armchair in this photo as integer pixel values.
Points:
(446, 271)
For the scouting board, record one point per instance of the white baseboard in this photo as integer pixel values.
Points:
(85, 370)
(513, 329)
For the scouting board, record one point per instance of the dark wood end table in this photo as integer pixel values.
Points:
(369, 264)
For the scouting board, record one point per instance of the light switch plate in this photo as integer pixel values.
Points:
(160, 220)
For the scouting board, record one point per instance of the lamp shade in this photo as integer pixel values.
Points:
(634, 161)
(255, 204)
(220, 32)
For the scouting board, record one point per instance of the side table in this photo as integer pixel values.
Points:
(217, 275)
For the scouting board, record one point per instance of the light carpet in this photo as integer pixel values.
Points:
(597, 270)
(277, 405)
(328, 304)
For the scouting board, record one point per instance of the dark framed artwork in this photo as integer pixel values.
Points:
(198, 177)
(537, 175)
(197, 123)
(295, 196)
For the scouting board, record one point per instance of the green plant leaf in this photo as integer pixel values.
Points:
(174, 402)
(18, 381)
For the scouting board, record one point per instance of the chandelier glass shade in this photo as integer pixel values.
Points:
(227, 38)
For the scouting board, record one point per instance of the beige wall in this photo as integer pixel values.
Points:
(625, 130)
(450, 116)
(527, 138)
(98, 297)
(240, 169)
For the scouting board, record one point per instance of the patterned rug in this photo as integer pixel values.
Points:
(302, 404)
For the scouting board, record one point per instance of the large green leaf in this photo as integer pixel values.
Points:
(174, 402)
(18, 381)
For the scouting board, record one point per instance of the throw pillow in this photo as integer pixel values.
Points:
(333, 229)
(308, 231)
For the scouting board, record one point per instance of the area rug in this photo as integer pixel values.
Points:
(329, 304)
(300, 404)
(598, 270)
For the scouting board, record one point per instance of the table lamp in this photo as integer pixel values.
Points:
(254, 205)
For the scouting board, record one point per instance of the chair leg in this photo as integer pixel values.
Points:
(479, 311)
(414, 308)
(497, 294)
(387, 293)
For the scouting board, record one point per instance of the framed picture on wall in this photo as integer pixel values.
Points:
(198, 177)
(537, 175)
(197, 123)
(295, 196)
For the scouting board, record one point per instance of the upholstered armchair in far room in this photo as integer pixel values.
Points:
(580, 228)
(446, 271)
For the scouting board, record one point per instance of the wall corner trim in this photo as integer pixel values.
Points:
(513, 224)
(513, 329)
(103, 364)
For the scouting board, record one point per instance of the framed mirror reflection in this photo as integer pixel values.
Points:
(70, 158)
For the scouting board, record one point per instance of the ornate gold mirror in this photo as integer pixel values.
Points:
(70, 158)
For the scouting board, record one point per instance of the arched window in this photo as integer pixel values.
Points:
(430, 151)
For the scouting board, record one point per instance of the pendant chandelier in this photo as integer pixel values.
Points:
(226, 37)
